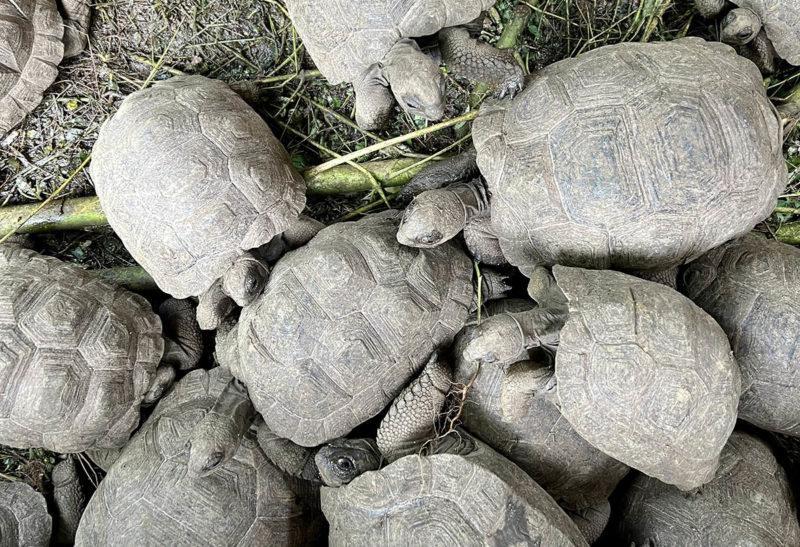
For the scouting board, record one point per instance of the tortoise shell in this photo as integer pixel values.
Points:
(479, 498)
(76, 355)
(645, 375)
(781, 22)
(30, 50)
(190, 178)
(751, 286)
(345, 38)
(343, 325)
(542, 442)
(631, 156)
(147, 497)
(24, 519)
(749, 502)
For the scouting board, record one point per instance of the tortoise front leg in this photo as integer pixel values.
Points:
(481, 241)
(411, 418)
(183, 340)
(591, 521)
(523, 381)
(69, 501)
(374, 99)
(460, 168)
(480, 62)
(216, 438)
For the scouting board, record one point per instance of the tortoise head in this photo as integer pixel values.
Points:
(415, 80)
(497, 341)
(740, 26)
(207, 453)
(342, 460)
(161, 382)
(431, 219)
(245, 279)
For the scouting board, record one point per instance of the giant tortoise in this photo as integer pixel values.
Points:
(539, 440)
(630, 157)
(148, 497)
(463, 494)
(749, 502)
(369, 43)
(79, 356)
(763, 29)
(751, 286)
(192, 180)
(33, 41)
(344, 324)
(24, 519)
(641, 372)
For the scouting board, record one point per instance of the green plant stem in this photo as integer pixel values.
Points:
(80, 213)
(133, 278)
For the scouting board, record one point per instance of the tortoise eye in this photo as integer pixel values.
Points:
(214, 460)
(345, 464)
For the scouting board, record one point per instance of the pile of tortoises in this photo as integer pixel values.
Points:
(392, 380)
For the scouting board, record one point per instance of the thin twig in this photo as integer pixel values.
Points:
(391, 142)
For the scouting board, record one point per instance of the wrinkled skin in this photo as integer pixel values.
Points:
(216, 438)
(410, 421)
(415, 80)
(342, 460)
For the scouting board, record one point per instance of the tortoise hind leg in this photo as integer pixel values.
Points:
(480, 62)
(77, 14)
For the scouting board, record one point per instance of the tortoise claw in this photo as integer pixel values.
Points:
(512, 86)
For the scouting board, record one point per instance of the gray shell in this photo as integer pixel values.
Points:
(749, 502)
(343, 325)
(30, 50)
(24, 520)
(76, 355)
(631, 156)
(781, 21)
(147, 498)
(645, 375)
(752, 288)
(477, 499)
(344, 37)
(542, 443)
(190, 178)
